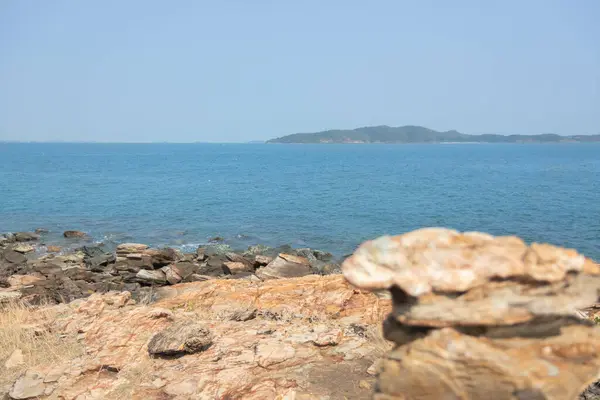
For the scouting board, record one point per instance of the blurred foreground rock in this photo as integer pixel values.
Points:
(481, 317)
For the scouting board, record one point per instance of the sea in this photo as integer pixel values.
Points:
(329, 197)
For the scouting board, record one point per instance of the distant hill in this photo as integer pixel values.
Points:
(419, 134)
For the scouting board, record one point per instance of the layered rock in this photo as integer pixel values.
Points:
(301, 338)
(476, 316)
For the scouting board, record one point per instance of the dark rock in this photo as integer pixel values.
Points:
(14, 257)
(216, 239)
(184, 337)
(285, 266)
(100, 262)
(74, 234)
(213, 267)
(41, 230)
(49, 269)
(26, 236)
(92, 251)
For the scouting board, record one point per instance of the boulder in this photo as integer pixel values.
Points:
(163, 257)
(184, 269)
(155, 277)
(234, 257)
(14, 257)
(285, 266)
(261, 261)
(183, 337)
(26, 236)
(53, 249)
(92, 251)
(99, 262)
(475, 315)
(235, 268)
(74, 234)
(172, 274)
(200, 253)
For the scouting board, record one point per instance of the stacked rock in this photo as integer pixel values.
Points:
(481, 317)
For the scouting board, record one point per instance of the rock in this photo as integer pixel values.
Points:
(99, 262)
(53, 249)
(163, 257)
(16, 359)
(328, 338)
(235, 268)
(470, 307)
(23, 248)
(184, 269)
(234, 257)
(126, 248)
(26, 236)
(314, 255)
(260, 260)
(28, 386)
(259, 249)
(285, 266)
(172, 274)
(216, 239)
(92, 251)
(41, 230)
(74, 234)
(14, 257)
(180, 338)
(156, 277)
(200, 254)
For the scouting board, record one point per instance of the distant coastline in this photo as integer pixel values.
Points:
(419, 134)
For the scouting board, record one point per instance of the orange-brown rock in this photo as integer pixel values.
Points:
(303, 338)
(478, 317)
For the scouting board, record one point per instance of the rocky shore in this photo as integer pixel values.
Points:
(467, 316)
(39, 273)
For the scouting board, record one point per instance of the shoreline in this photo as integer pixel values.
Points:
(37, 272)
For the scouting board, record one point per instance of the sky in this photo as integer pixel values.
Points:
(239, 70)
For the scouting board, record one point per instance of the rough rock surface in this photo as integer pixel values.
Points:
(285, 266)
(476, 316)
(300, 338)
(180, 338)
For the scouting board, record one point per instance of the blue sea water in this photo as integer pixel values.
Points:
(330, 197)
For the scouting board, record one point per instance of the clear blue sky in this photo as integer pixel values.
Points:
(237, 70)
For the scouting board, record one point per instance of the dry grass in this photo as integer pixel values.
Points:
(28, 329)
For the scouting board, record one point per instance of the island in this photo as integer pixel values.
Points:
(420, 134)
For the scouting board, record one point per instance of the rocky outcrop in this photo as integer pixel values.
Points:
(476, 316)
(301, 338)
